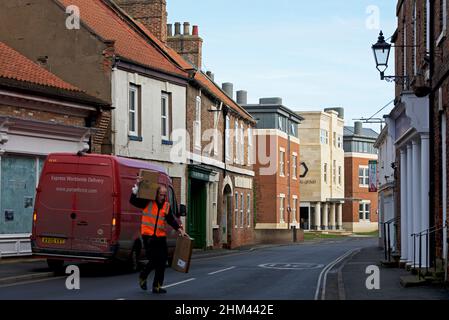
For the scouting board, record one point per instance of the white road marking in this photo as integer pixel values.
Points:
(30, 282)
(178, 283)
(325, 271)
(219, 271)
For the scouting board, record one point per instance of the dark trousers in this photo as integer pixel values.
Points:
(156, 252)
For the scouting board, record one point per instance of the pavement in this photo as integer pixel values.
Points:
(347, 281)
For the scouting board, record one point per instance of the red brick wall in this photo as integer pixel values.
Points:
(33, 114)
(189, 47)
(269, 187)
(353, 190)
(151, 13)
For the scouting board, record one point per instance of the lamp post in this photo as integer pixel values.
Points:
(381, 51)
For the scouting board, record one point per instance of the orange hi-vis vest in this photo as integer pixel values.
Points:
(153, 220)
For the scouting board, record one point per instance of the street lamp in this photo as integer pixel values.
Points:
(381, 52)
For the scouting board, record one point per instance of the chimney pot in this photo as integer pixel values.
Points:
(210, 75)
(169, 30)
(228, 88)
(358, 126)
(195, 31)
(242, 97)
(177, 29)
(186, 28)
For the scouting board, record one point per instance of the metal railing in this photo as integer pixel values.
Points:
(387, 238)
(419, 236)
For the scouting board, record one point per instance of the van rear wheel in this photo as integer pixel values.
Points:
(57, 266)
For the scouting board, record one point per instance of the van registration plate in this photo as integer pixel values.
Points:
(53, 240)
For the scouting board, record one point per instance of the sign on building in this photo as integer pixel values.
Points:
(372, 169)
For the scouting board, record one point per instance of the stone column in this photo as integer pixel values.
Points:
(425, 171)
(404, 237)
(410, 181)
(325, 216)
(333, 221)
(317, 216)
(416, 192)
(340, 216)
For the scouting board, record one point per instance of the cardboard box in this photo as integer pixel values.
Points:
(183, 254)
(149, 185)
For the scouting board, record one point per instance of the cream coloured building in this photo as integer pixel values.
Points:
(322, 188)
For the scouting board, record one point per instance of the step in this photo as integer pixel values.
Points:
(412, 281)
(389, 264)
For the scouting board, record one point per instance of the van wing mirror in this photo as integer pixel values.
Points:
(182, 210)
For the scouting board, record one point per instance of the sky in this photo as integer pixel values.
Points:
(312, 54)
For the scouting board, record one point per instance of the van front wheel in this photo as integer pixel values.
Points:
(57, 266)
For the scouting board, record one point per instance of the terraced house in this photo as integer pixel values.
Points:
(39, 113)
(219, 140)
(166, 110)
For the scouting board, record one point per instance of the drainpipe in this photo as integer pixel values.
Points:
(431, 130)
(289, 175)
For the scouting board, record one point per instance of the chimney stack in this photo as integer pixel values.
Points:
(151, 13)
(188, 45)
(271, 101)
(358, 128)
(210, 75)
(228, 88)
(242, 97)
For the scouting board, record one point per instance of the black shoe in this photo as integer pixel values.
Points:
(159, 291)
(143, 284)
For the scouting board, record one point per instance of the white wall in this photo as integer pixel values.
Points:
(386, 157)
(151, 147)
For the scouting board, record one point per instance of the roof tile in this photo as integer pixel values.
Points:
(15, 66)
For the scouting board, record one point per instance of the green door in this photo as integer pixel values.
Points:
(18, 187)
(197, 213)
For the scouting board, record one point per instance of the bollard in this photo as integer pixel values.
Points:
(294, 234)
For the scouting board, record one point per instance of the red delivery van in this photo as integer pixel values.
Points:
(82, 211)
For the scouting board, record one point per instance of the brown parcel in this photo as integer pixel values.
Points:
(183, 254)
(149, 185)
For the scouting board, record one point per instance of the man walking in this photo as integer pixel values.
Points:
(155, 216)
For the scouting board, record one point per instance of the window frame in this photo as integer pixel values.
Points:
(282, 163)
(249, 132)
(364, 177)
(325, 172)
(136, 111)
(197, 123)
(364, 211)
(294, 166)
(242, 206)
(236, 209)
(228, 138)
(166, 97)
(248, 210)
(281, 208)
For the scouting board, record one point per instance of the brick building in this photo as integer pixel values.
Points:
(360, 212)
(277, 163)
(409, 128)
(219, 171)
(439, 104)
(39, 114)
